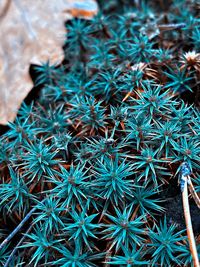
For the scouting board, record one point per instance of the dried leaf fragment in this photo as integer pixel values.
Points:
(30, 32)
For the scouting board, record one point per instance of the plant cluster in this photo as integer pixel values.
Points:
(105, 138)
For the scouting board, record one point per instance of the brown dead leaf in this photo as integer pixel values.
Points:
(31, 32)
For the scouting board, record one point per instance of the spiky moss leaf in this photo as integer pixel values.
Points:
(104, 138)
(164, 244)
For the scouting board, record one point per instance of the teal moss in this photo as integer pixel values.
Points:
(103, 141)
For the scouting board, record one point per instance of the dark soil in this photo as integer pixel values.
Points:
(174, 212)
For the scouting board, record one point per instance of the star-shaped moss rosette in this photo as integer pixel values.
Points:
(87, 168)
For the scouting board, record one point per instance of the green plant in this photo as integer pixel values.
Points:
(46, 73)
(43, 244)
(164, 244)
(81, 228)
(179, 80)
(123, 231)
(140, 49)
(149, 166)
(153, 102)
(77, 257)
(130, 258)
(186, 257)
(38, 160)
(111, 183)
(87, 167)
(15, 195)
(72, 187)
(145, 200)
(49, 213)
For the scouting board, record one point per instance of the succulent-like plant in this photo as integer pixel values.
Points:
(108, 83)
(179, 82)
(89, 112)
(46, 73)
(167, 134)
(153, 102)
(185, 256)
(76, 257)
(101, 56)
(140, 49)
(188, 151)
(54, 121)
(38, 159)
(44, 245)
(20, 131)
(113, 183)
(164, 244)
(144, 198)
(149, 165)
(49, 213)
(130, 258)
(15, 194)
(72, 186)
(81, 228)
(138, 129)
(104, 147)
(122, 230)
(78, 32)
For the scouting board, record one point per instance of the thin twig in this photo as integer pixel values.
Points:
(135, 212)
(169, 27)
(193, 192)
(188, 223)
(16, 247)
(20, 225)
